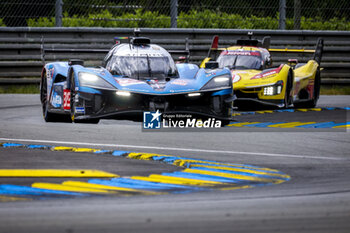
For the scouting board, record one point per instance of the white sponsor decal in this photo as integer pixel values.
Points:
(80, 110)
(128, 82)
(191, 66)
(236, 78)
(179, 82)
(56, 100)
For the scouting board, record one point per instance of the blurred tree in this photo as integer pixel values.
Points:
(16, 12)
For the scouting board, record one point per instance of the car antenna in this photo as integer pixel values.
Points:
(137, 62)
(250, 35)
(149, 66)
(137, 32)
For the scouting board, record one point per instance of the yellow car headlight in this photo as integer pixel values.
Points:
(275, 89)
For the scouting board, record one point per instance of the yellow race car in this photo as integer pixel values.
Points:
(256, 81)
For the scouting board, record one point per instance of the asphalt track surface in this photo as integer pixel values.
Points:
(316, 199)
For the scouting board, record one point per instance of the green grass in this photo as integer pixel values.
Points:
(20, 89)
(335, 90)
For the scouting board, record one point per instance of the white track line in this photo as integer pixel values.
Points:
(168, 148)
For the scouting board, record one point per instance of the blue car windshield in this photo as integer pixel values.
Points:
(240, 62)
(143, 67)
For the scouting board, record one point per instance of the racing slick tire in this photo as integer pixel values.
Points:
(288, 98)
(48, 116)
(313, 102)
(72, 107)
(225, 122)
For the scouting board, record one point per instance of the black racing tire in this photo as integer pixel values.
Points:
(225, 122)
(313, 102)
(48, 116)
(86, 121)
(317, 86)
(72, 105)
(288, 98)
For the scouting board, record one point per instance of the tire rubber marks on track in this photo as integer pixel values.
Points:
(323, 125)
(121, 153)
(9, 198)
(290, 110)
(198, 175)
(296, 124)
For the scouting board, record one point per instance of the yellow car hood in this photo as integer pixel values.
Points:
(244, 79)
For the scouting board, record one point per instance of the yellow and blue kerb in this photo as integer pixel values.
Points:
(197, 175)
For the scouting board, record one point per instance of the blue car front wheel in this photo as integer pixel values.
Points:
(73, 115)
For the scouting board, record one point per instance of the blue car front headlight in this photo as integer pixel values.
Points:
(218, 82)
(94, 81)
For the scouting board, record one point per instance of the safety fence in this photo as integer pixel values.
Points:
(20, 48)
(252, 14)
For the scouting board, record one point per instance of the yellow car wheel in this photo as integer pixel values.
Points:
(316, 93)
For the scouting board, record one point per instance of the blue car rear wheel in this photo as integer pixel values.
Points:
(48, 116)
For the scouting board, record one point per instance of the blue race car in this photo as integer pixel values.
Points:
(138, 76)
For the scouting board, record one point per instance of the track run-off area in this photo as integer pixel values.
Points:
(268, 171)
